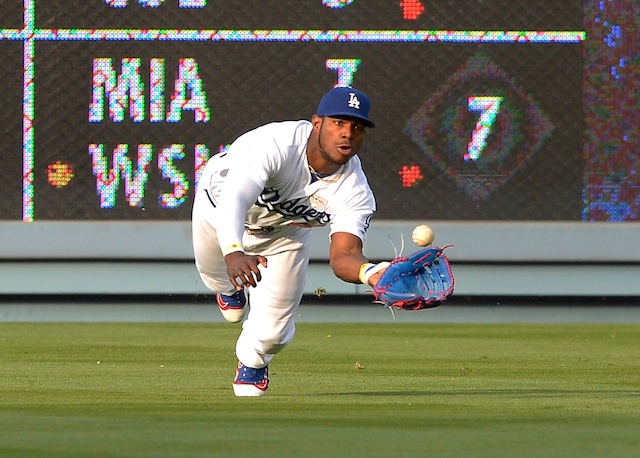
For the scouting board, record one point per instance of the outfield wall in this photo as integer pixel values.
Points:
(488, 258)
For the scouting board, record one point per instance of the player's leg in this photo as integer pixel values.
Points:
(270, 325)
(210, 262)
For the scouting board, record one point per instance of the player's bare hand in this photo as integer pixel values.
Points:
(243, 270)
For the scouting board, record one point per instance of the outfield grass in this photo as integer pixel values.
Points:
(363, 390)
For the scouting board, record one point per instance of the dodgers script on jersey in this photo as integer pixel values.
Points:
(274, 157)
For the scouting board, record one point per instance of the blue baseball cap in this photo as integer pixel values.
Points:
(346, 101)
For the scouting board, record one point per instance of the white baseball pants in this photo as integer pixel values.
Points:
(270, 325)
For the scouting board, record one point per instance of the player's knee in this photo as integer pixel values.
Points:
(271, 347)
(273, 342)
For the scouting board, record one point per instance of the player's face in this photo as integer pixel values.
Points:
(340, 139)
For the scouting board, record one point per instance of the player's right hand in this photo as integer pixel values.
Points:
(243, 270)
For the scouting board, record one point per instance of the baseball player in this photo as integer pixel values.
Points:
(252, 217)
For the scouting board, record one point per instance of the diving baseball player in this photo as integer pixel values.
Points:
(252, 217)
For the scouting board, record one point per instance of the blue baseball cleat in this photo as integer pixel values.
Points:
(250, 381)
(233, 308)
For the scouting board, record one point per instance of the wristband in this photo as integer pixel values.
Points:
(363, 271)
(368, 269)
(232, 248)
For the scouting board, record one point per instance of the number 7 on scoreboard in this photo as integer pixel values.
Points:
(488, 107)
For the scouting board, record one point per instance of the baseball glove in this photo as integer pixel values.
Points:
(420, 280)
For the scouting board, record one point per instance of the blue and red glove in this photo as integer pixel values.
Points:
(421, 280)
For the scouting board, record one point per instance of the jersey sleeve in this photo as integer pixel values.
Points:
(354, 215)
(249, 166)
(234, 202)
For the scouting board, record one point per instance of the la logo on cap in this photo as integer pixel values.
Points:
(353, 101)
(343, 101)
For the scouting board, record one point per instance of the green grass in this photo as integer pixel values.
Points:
(363, 390)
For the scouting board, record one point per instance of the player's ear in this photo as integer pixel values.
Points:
(316, 121)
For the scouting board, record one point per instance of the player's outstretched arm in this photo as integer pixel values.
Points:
(347, 260)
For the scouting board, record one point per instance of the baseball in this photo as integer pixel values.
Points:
(422, 235)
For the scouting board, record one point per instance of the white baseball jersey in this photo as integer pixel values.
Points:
(265, 179)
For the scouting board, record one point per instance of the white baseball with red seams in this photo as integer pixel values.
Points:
(422, 235)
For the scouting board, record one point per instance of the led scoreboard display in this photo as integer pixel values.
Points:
(112, 107)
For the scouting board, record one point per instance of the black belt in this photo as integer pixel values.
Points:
(260, 230)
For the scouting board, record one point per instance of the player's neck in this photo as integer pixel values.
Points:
(323, 169)
(319, 165)
(326, 177)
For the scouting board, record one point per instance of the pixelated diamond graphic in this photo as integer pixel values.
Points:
(479, 149)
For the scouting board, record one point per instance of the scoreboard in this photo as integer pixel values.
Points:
(484, 110)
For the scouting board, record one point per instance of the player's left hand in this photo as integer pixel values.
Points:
(243, 270)
(375, 278)
(421, 280)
